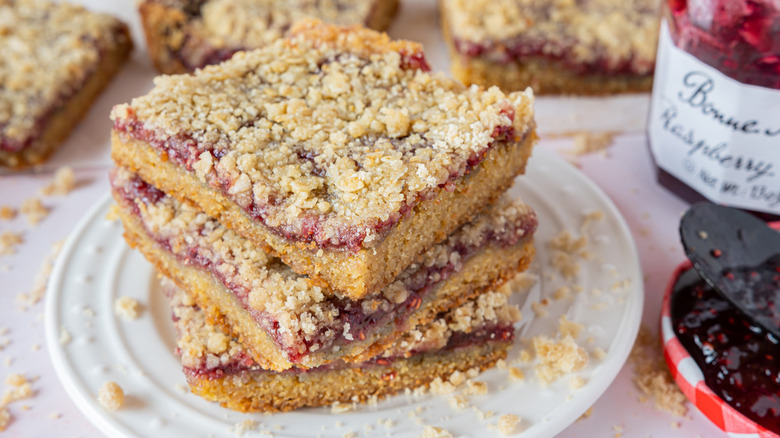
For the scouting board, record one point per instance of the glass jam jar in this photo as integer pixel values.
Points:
(714, 124)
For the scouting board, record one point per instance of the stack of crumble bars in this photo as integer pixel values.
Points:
(332, 215)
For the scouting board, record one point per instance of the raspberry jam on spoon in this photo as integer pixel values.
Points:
(739, 256)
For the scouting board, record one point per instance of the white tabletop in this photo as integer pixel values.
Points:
(625, 172)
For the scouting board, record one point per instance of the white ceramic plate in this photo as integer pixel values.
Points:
(96, 267)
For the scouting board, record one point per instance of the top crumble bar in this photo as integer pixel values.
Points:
(187, 34)
(335, 148)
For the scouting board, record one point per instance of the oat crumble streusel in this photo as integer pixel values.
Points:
(8, 242)
(63, 182)
(7, 213)
(127, 307)
(557, 357)
(5, 418)
(34, 210)
(508, 424)
(652, 375)
(435, 432)
(111, 396)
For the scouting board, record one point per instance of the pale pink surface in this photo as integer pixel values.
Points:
(626, 174)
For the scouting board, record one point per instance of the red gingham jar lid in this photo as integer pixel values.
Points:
(690, 378)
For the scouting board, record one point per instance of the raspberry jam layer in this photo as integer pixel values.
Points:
(240, 363)
(738, 358)
(354, 320)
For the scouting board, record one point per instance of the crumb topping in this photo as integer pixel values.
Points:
(569, 328)
(557, 357)
(5, 418)
(34, 210)
(127, 307)
(19, 388)
(64, 182)
(652, 376)
(111, 396)
(435, 432)
(244, 426)
(329, 136)
(7, 213)
(49, 49)
(8, 242)
(65, 336)
(587, 142)
(576, 382)
(508, 423)
(566, 252)
(516, 374)
(41, 278)
(612, 32)
(300, 311)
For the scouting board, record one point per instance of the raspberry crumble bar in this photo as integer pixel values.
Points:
(57, 58)
(555, 46)
(335, 150)
(283, 320)
(184, 35)
(218, 367)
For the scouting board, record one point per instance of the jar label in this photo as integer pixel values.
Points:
(717, 135)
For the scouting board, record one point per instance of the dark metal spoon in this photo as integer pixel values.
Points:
(739, 256)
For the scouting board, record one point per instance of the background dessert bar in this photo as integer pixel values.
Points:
(187, 34)
(57, 58)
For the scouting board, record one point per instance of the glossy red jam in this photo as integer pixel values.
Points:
(740, 38)
(740, 360)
